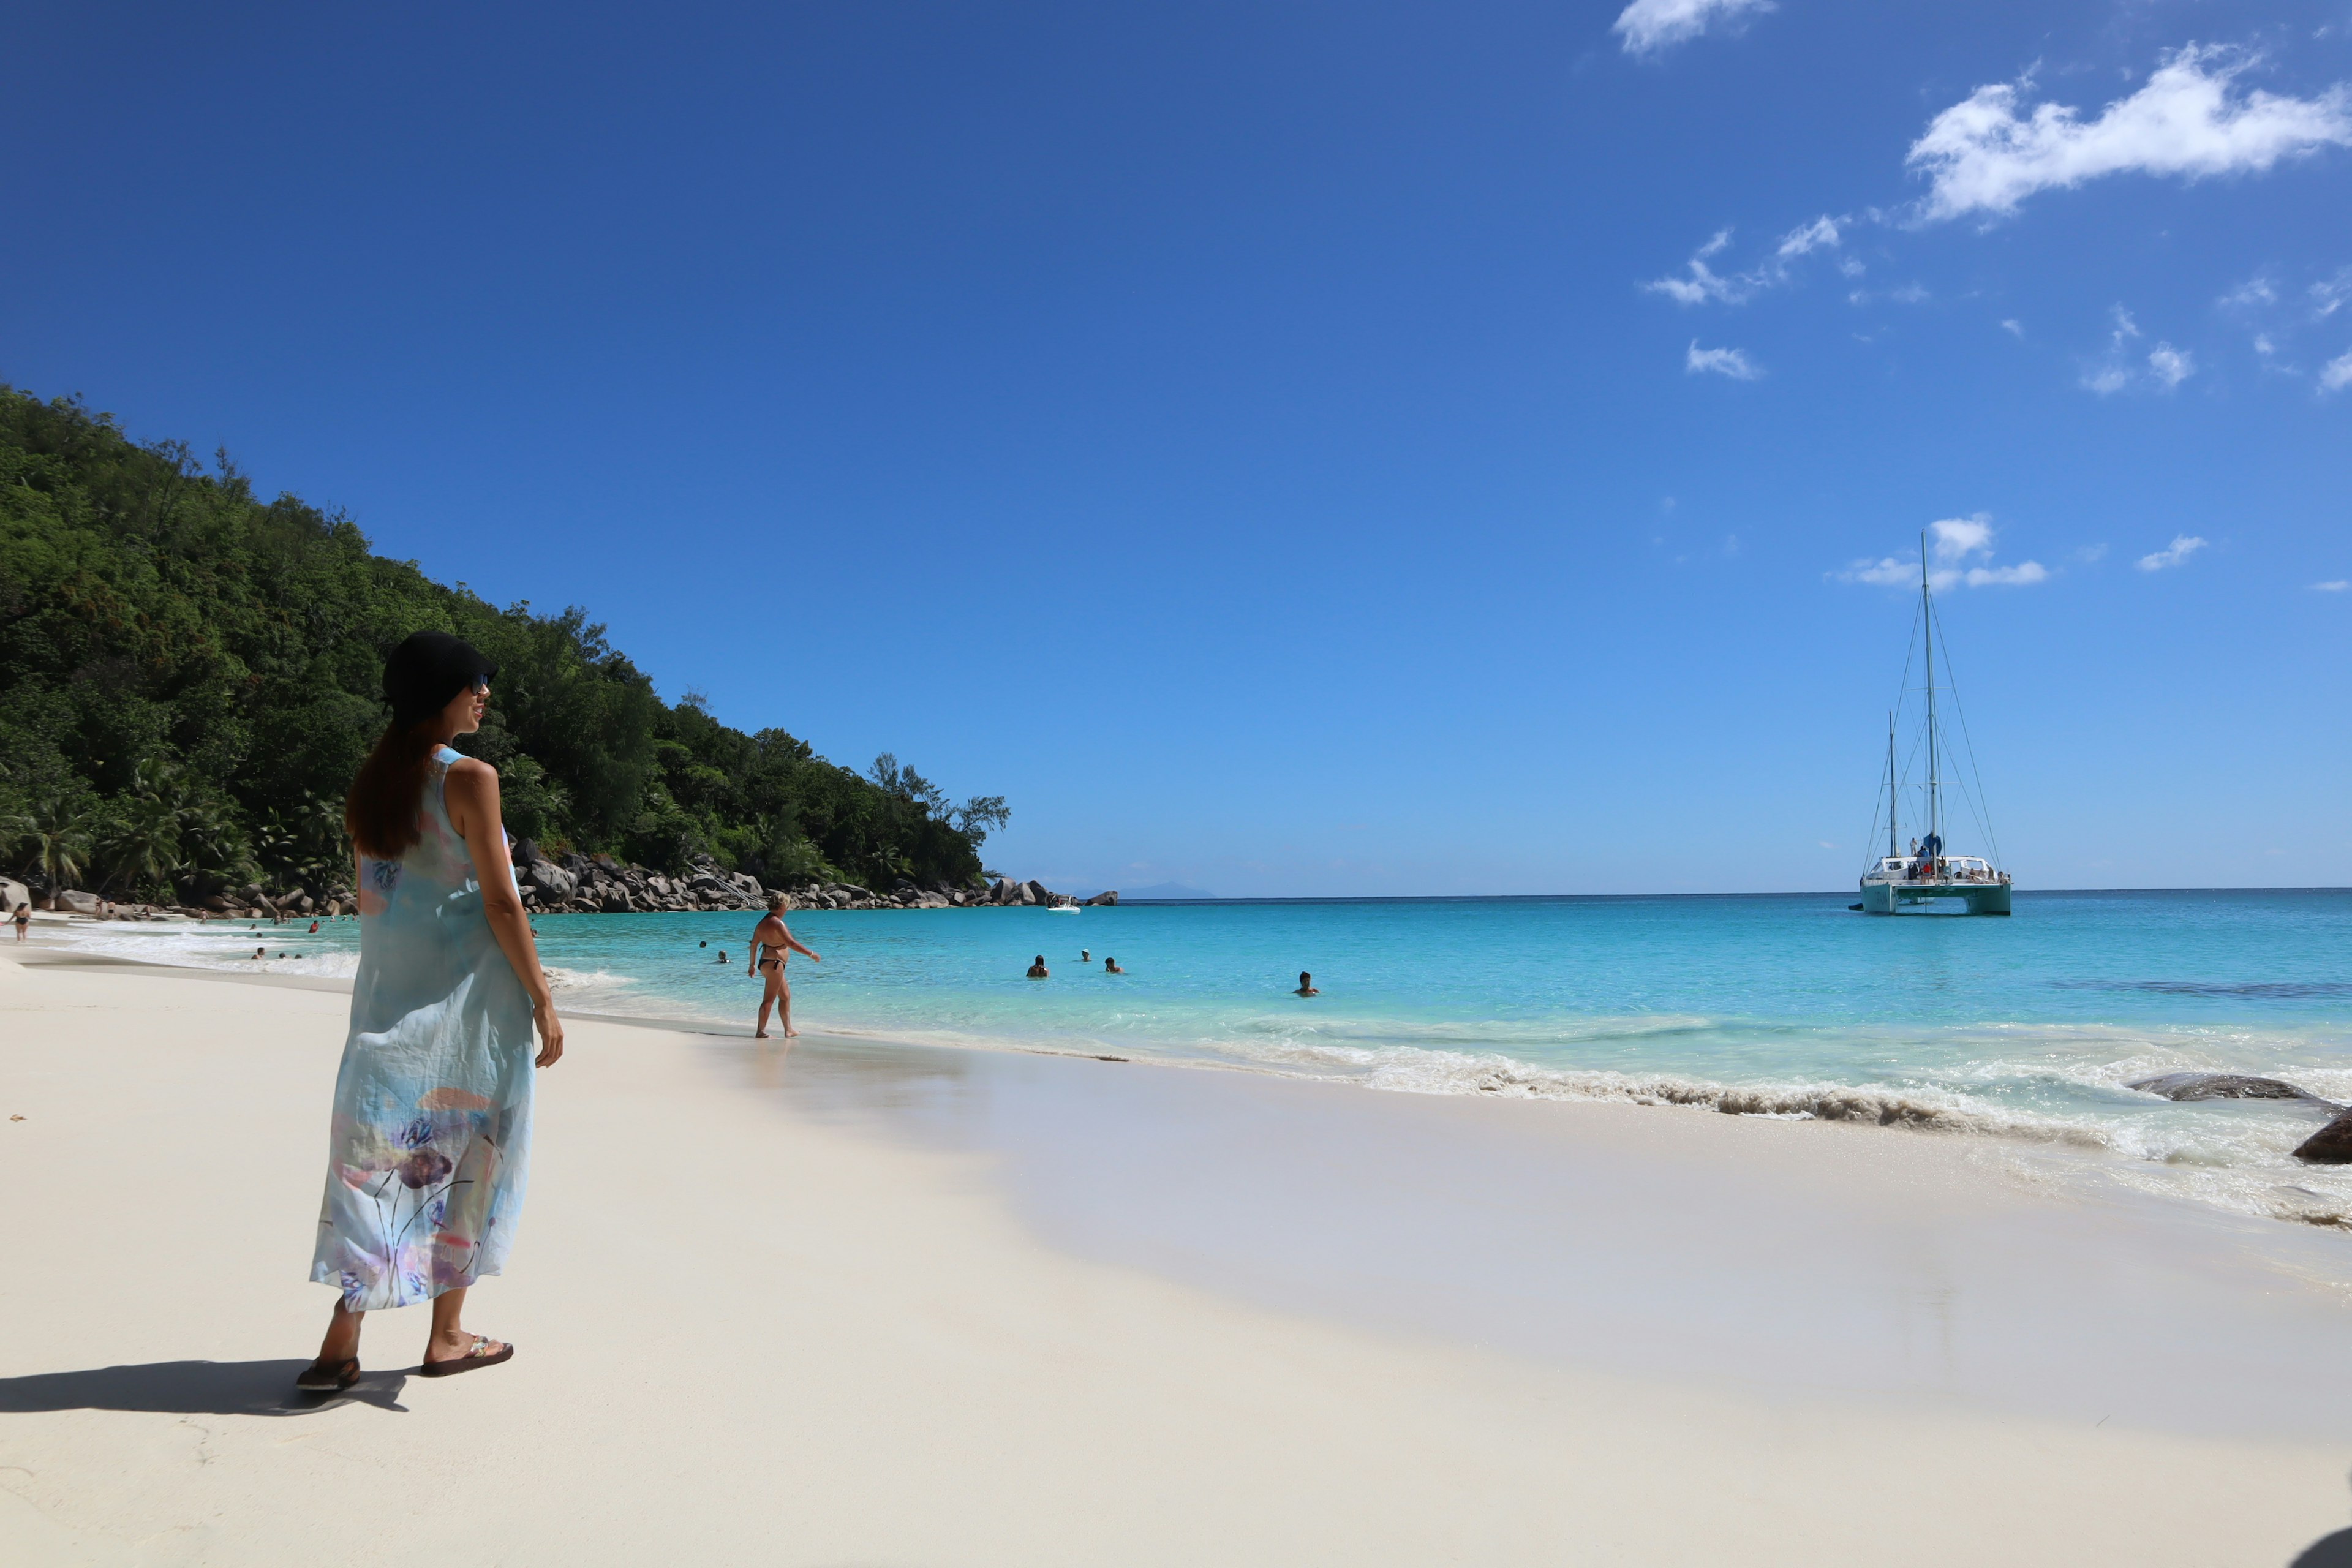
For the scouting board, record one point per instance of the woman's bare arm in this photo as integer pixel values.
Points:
(794, 942)
(472, 797)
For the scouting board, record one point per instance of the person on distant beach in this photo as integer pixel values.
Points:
(21, 918)
(1110, 966)
(1306, 985)
(771, 945)
(1038, 971)
(430, 1140)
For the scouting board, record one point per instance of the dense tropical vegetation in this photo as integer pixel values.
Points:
(189, 677)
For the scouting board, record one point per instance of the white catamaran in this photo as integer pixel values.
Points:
(1924, 874)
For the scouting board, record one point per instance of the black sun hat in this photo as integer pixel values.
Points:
(426, 670)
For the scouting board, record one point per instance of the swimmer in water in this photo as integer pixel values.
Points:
(772, 944)
(258, 954)
(1306, 985)
(1086, 955)
(1110, 966)
(1038, 971)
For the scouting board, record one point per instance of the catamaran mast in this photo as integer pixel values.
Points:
(1928, 626)
(1892, 846)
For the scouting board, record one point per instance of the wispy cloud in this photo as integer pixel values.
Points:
(2168, 366)
(2337, 586)
(1983, 155)
(2255, 291)
(1648, 25)
(2182, 547)
(1701, 284)
(2012, 329)
(1733, 362)
(2336, 374)
(1954, 547)
(2329, 294)
(1704, 282)
(1821, 231)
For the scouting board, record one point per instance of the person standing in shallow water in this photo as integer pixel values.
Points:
(429, 1145)
(773, 945)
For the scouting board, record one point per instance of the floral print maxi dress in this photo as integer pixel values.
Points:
(431, 1135)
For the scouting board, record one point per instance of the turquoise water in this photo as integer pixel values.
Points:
(2025, 1029)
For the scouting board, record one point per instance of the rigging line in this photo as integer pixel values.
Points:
(1961, 709)
(1877, 809)
(1902, 686)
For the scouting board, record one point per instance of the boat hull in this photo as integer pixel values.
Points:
(1894, 897)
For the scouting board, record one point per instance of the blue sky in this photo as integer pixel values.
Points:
(1301, 448)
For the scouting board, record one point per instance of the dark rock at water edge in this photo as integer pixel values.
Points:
(2331, 1145)
(2193, 1086)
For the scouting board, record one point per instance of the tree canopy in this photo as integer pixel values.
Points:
(190, 676)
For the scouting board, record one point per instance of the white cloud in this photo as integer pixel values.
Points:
(1983, 156)
(2255, 291)
(1705, 285)
(2182, 547)
(2336, 374)
(1951, 541)
(1733, 362)
(2327, 295)
(2090, 552)
(2168, 366)
(2337, 586)
(2262, 344)
(1957, 538)
(1649, 26)
(2012, 329)
(1704, 282)
(1885, 574)
(1821, 232)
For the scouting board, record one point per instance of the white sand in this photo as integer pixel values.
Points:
(748, 1333)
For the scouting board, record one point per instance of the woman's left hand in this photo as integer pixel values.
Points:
(551, 1034)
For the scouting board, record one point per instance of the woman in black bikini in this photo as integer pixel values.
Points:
(772, 944)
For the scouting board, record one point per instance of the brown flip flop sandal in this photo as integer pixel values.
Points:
(329, 1377)
(479, 1354)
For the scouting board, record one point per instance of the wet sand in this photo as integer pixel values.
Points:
(873, 1303)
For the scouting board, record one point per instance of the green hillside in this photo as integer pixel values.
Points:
(189, 677)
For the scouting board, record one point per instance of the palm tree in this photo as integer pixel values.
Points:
(60, 839)
(141, 843)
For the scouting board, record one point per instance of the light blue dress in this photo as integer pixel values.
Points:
(431, 1137)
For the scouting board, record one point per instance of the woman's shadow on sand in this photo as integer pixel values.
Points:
(193, 1388)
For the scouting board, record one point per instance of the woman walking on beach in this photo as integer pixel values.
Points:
(773, 945)
(431, 1134)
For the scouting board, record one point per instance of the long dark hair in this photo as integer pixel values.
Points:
(381, 812)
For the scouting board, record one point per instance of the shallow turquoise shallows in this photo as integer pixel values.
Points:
(2026, 1030)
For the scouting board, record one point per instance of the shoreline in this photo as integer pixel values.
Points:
(919, 1304)
(2099, 1159)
